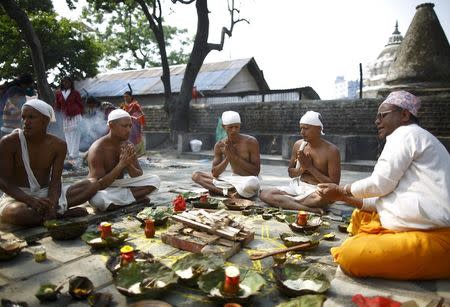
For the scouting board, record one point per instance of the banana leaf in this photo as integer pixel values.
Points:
(309, 300)
(144, 280)
(212, 283)
(192, 266)
(296, 279)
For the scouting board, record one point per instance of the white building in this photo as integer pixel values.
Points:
(376, 72)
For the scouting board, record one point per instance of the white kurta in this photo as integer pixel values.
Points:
(410, 185)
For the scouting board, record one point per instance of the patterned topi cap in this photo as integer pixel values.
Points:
(404, 100)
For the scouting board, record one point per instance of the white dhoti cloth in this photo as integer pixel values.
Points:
(298, 189)
(72, 134)
(119, 193)
(246, 186)
(6, 200)
(35, 188)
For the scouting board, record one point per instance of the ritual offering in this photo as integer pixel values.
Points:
(199, 231)
(47, 292)
(114, 262)
(297, 279)
(179, 204)
(159, 215)
(149, 228)
(144, 280)
(10, 246)
(80, 287)
(112, 238)
(237, 203)
(100, 299)
(106, 230)
(267, 216)
(231, 284)
(313, 222)
(279, 258)
(40, 254)
(192, 266)
(126, 255)
(206, 202)
(65, 229)
(302, 218)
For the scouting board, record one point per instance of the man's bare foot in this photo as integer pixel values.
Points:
(234, 194)
(75, 212)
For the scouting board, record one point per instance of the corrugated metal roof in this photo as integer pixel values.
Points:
(212, 77)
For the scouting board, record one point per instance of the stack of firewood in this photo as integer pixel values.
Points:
(217, 223)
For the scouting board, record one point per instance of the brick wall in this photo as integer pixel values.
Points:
(342, 117)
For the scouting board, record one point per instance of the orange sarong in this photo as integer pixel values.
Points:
(374, 251)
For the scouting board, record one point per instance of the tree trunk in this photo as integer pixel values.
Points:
(30, 37)
(179, 117)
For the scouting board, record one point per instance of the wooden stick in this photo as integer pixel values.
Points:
(258, 256)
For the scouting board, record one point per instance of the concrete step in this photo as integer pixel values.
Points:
(356, 165)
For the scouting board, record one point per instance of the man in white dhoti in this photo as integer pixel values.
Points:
(109, 159)
(31, 164)
(313, 160)
(241, 152)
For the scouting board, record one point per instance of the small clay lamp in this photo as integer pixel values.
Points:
(231, 284)
(302, 218)
(149, 228)
(204, 199)
(126, 255)
(106, 230)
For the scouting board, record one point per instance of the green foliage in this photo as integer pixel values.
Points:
(66, 45)
(129, 42)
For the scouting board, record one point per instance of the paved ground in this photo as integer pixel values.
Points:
(21, 277)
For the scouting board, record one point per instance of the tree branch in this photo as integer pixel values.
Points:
(183, 1)
(227, 31)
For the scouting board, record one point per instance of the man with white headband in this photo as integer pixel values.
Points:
(241, 152)
(313, 160)
(31, 163)
(401, 229)
(109, 159)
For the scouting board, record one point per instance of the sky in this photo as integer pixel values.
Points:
(300, 43)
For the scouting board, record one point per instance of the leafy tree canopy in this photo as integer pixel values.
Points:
(128, 40)
(68, 48)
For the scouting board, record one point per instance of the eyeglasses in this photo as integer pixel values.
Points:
(382, 115)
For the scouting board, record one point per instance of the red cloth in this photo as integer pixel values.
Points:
(70, 107)
(135, 110)
(376, 301)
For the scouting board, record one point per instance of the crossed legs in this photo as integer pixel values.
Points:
(277, 198)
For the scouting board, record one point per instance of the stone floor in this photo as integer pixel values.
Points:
(21, 277)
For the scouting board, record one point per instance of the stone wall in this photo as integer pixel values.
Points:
(340, 117)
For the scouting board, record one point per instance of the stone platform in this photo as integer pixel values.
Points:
(21, 277)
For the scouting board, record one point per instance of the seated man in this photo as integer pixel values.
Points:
(31, 163)
(241, 151)
(109, 158)
(402, 227)
(313, 160)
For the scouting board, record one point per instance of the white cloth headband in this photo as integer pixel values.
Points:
(230, 117)
(312, 118)
(116, 114)
(42, 107)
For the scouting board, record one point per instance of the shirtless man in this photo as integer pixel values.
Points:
(31, 163)
(109, 158)
(241, 152)
(313, 161)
